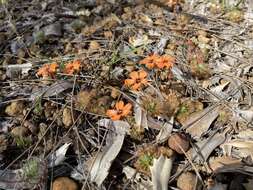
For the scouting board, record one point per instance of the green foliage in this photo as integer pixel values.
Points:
(146, 160)
(38, 106)
(31, 169)
(23, 142)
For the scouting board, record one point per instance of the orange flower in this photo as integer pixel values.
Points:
(137, 80)
(150, 61)
(121, 110)
(48, 70)
(72, 67)
(165, 61)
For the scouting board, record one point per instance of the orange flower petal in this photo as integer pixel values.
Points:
(129, 82)
(53, 67)
(150, 65)
(115, 117)
(111, 113)
(127, 109)
(133, 75)
(136, 86)
(119, 105)
(144, 81)
(142, 74)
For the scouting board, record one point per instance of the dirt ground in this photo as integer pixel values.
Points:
(127, 95)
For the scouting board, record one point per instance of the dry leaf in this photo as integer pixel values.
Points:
(161, 171)
(140, 115)
(53, 90)
(199, 122)
(218, 162)
(58, 156)
(132, 174)
(165, 131)
(204, 148)
(114, 141)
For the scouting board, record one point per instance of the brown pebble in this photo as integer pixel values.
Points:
(187, 181)
(177, 142)
(64, 183)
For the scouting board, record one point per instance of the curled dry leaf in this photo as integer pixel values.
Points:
(132, 174)
(114, 141)
(161, 171)
(204, 148)
(165, 131)
(219, 162)
(245, 148)
(58, 156)
(199, 122)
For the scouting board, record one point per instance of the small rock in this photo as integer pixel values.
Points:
(19, 131)
(66, 117)
(64, 183)
(187, 181)
(15, 108)
(177, 142)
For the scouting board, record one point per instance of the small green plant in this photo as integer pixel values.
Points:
(38, 106)
(183, 109)
(31, 169)
(146, 160)
(23, 142)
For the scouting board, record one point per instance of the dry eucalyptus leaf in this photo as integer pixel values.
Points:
(244, 115)
(52, 90)
(160, 172)
(204, 148)
(18, 68)
(132, 174)
(218, 91)
(218, 162)
(165, 131)
(58, 156)
(140, 115)
(245, 148)
(114, 141)
(199, 122)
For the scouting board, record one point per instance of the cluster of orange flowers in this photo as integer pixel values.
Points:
(152, 61)
(50, 69)
(138, 79)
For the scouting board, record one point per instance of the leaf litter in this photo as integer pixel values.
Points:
(126, 94)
